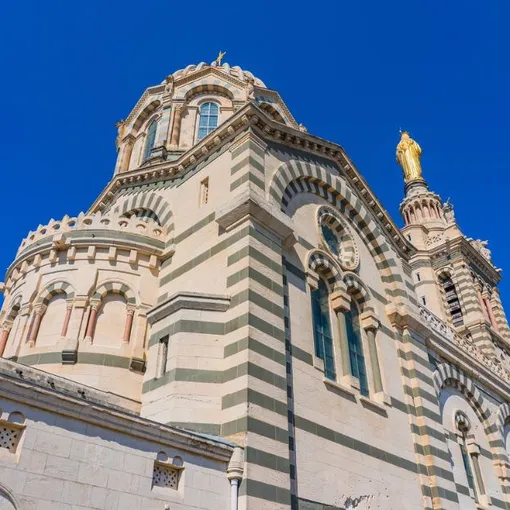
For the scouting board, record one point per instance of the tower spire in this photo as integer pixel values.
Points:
(420, 206)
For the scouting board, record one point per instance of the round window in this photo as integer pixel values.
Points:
(331, 240)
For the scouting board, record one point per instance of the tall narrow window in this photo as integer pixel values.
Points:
(467, 468)
(354, 339)
(162, 356)
(204, 191)
(452, 301)
(322, 329)
(151, 138)
(209, 114)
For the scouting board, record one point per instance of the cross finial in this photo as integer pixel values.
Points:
(220, 57)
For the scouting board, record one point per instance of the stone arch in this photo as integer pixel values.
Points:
(296, 176)
(7, 495)
(450, 376)
(13, 307)
(115, 287)
(349, 256)
(60, 287)
(320, 262)
(210, 84)
(271, 111)
(143, 214)
(359, 291)
(151, 202)
(144, 115)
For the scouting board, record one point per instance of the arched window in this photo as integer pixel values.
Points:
(322, 329)
(209, 115)
(354, 340)
(151, 139)
(52, 321)
(109, 328)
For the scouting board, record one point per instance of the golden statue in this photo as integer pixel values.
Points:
(408, 157)
(220, 57)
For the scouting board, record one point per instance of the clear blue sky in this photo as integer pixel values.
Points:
(351, 71)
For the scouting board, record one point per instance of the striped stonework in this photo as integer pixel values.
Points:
(349, 257)
(53, 289)
(209, 84)
(322, 263)
(499, 314)
(115, 288)
(163, 126)
(433, 467)
(248, 164)
(255, 405)
(296, 177)
(359, 291)
(150, 202)
(449, 375)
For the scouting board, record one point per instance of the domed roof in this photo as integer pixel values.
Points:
(234, 71)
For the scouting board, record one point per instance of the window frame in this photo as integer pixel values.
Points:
(198, 138)
(147, 149)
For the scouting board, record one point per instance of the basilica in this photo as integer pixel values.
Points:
(237, 323)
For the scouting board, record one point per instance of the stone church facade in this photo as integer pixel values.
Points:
(237, 322)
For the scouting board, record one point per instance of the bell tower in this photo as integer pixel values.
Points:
(454, 275)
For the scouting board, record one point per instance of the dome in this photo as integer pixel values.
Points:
(234, 71)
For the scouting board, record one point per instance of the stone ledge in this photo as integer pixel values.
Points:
(190, 301)
(249, 203)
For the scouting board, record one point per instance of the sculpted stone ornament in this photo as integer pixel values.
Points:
(121, 128)
(449, 214)
(408, 157)
(481, 247)
(302, 128)
(169, 87)
(251, 89)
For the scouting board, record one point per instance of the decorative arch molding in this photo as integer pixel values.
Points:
(143, 214)
(152, 202)
(450, 376)
(9, 496)
(210, 84)
(115, 287)
(359, 291)
(60, 287)
(209, 88)
(295, 176)
(320, 262)
(272, 111)
(144, 115)
(349, 256)
(503, 418)
(13, 307)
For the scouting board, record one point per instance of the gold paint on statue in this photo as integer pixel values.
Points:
(408, 157)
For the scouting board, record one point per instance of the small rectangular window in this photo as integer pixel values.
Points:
(418, 277)
(204, 191)
(424, 300)
(162, 356)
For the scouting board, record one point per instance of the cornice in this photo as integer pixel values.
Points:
(203, 72)
(138, 106)
(35, 388)
(251, 116)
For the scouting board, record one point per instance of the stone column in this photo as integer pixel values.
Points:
(36, 324)
(65, 326)
(4, 336)
(129, 324)
(127, 150)
(94, 307)
(341, 302)
(492, 319)
(499, 313)
(176, 127)
(370, 324)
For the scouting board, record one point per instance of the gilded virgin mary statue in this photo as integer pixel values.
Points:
(408, 157)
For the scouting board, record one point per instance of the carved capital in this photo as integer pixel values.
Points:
(340, 300)
(369, 320)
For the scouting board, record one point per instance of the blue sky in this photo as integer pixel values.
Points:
(352, 72)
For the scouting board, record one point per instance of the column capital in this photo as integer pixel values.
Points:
(340, 300)
(95, 304)
(369, 320)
